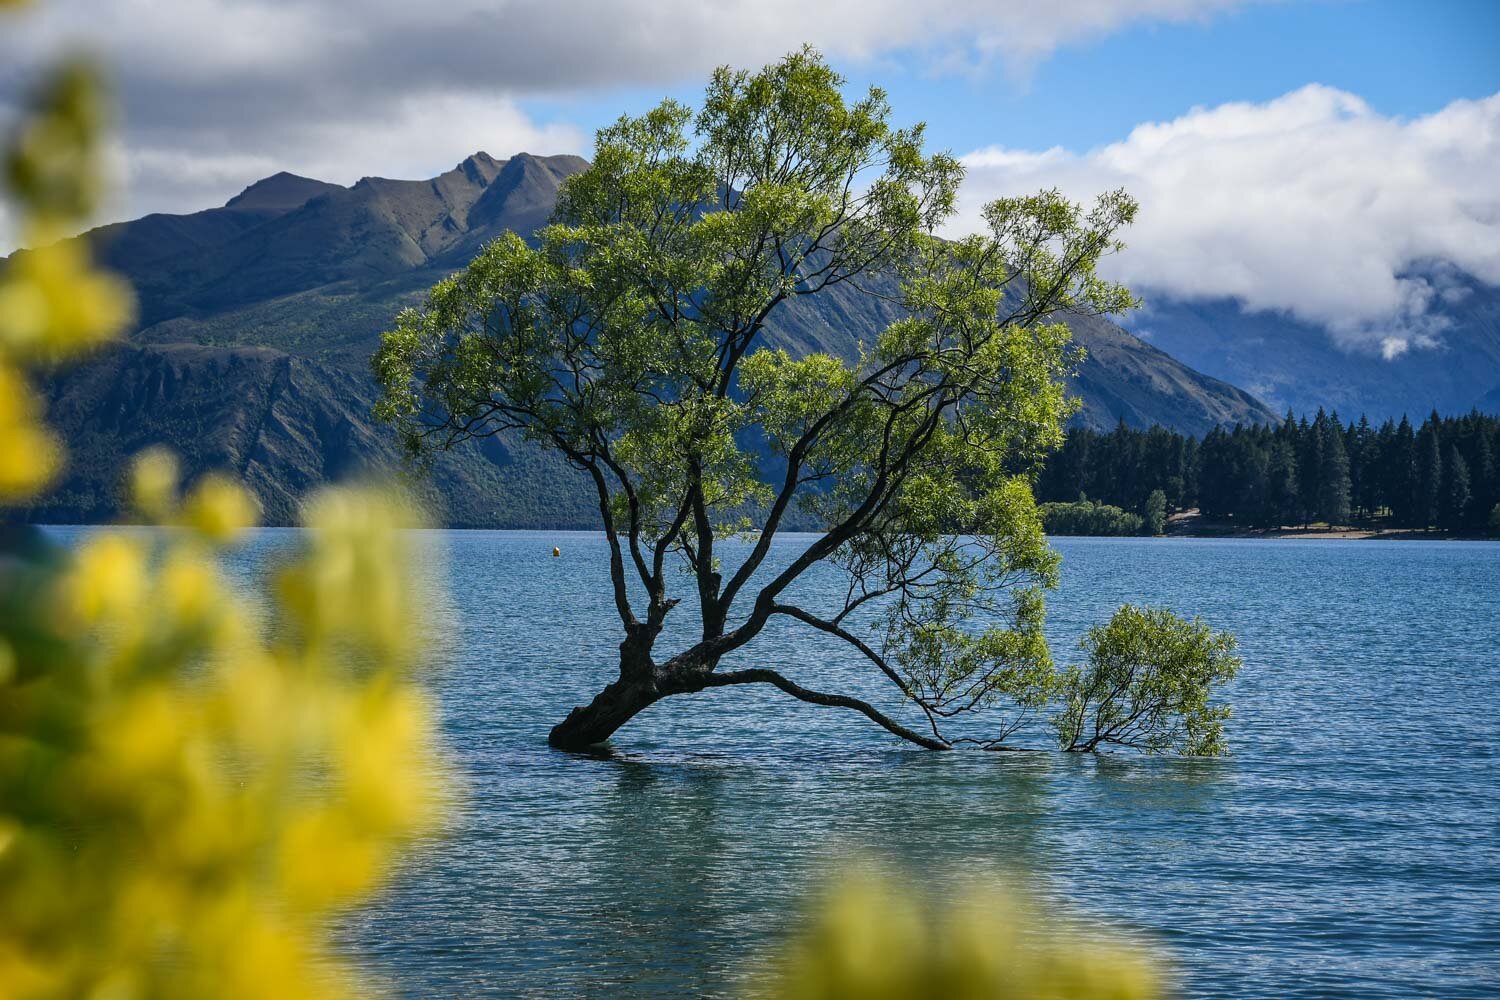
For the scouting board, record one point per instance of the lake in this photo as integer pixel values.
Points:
(1350, 846)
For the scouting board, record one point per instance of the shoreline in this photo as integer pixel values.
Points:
(1182, 524)
(1190, 525)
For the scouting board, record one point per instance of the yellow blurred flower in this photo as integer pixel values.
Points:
(29, 454)
(871, 940)
(387, 758)
(182, 748)
(189, 591)
(54, 304)
(219, 509)
(253, 701)
(154, 476)
(327, 859)
(141, 736)
(184, 799)
(108, 581)
(353, 591)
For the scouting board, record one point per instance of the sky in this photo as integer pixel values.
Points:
(1308, 156)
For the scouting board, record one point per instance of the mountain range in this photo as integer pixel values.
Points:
(257, 319)
(1291, 364)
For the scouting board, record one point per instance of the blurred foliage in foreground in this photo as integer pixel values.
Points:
(872, 940)
(185, 800)
(186, 797)
(53, 304)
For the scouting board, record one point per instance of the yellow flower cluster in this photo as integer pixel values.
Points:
(29, 454)
(53, 302)
(871, 941)
(191, 788)
(184, 803)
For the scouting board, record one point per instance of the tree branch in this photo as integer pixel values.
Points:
(761, 675)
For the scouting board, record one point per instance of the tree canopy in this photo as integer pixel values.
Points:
(1147, 685)
(631, 337)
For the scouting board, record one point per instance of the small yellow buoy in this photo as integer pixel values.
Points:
(556, 552)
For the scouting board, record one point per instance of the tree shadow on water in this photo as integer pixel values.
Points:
(1158, 784)
(700, 862)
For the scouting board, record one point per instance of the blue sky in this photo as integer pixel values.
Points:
(1404, 57)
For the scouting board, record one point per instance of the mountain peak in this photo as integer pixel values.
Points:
(281, 192)
(480, 168)
(521, 192)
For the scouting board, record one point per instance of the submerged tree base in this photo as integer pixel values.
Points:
(587, 726)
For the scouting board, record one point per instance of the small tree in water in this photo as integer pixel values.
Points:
(629, 338)
(1147, 686)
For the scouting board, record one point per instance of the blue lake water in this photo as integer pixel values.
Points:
(1349, 847)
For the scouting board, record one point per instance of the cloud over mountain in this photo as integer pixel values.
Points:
(216, 93)
(1312, 203)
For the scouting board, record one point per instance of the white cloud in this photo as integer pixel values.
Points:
(1312, 203)
(521, 44)
(217, 93)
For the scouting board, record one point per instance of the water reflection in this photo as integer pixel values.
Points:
(1178, 785)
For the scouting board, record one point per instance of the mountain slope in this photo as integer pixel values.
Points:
(136, 247)
(283, 425)
(1288, 363)
(258, 319)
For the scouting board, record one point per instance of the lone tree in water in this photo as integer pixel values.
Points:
(629, 338)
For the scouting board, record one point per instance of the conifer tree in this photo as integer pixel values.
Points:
(1455, 490)
(1282, 495)
(1428, 482)
(1333, 487)
(1482, 475)
(1400, 470)
(1310, 464)
(1363, 452)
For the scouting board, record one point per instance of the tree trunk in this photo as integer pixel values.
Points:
(639, 686)
(589, 725)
